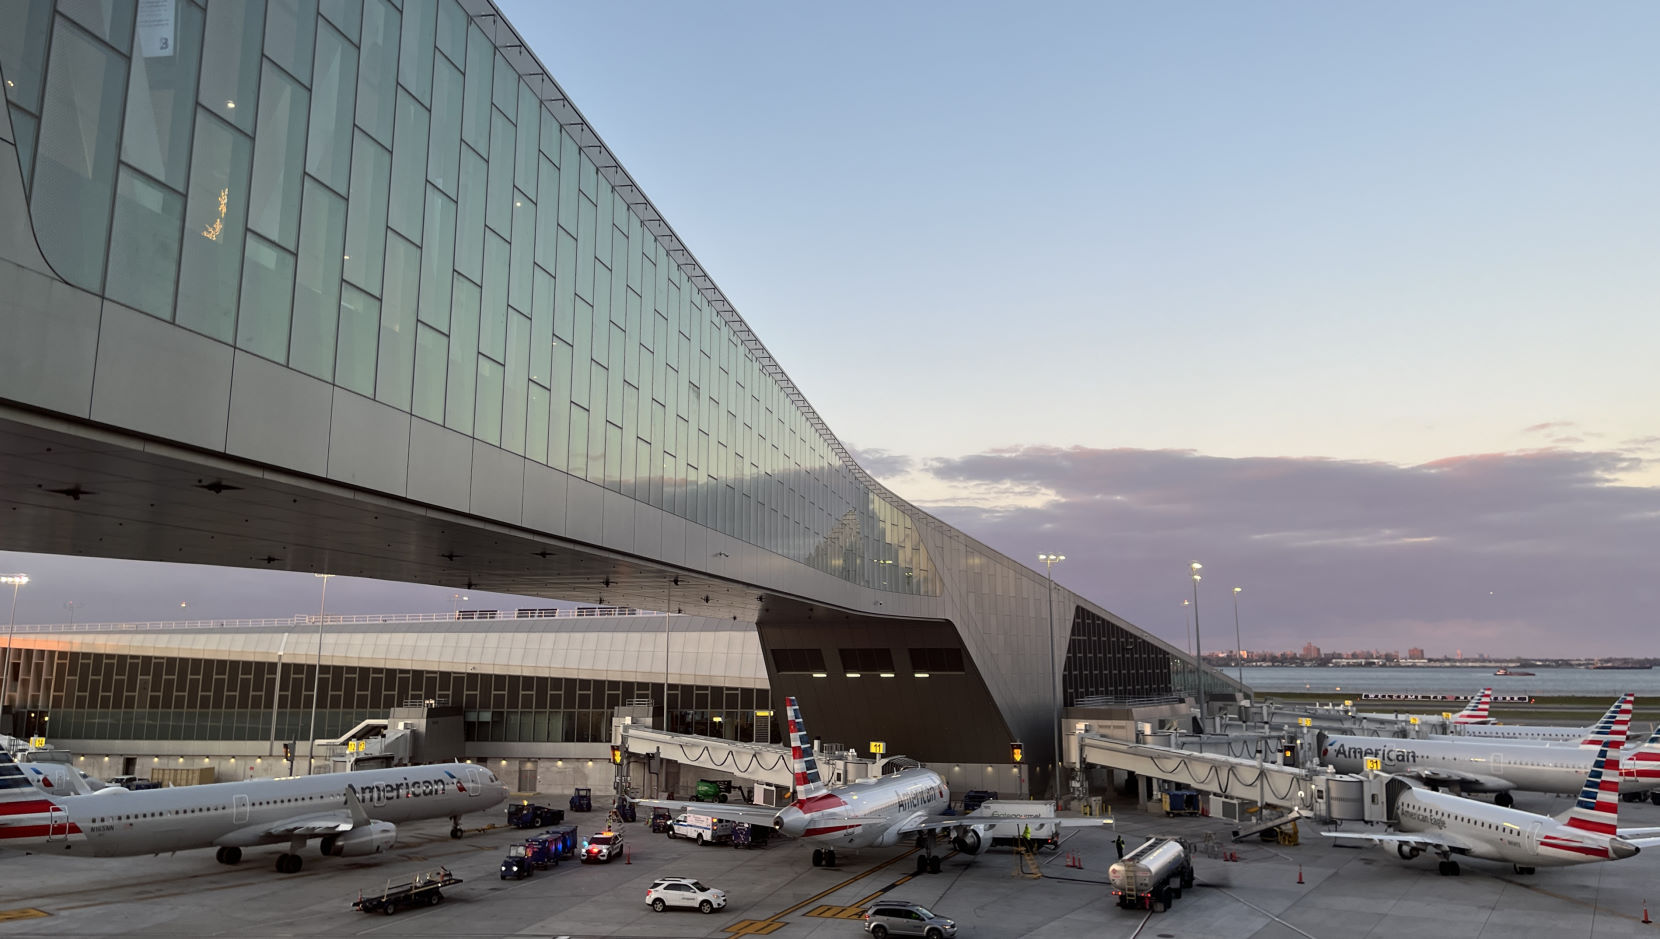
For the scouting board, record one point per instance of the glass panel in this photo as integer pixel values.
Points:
(469, 229)
(564, 295)
(492, 330)
(613, 457)
(541, 328)
(452, 31)
(109, 20)
(559, 413)
(507, 84)
(290, 30)
(524, 248)
(443, 146)
(366, 214)
(475, 123)
(377, 70)
(346, 14)
(530, 110)
(420, 30)
(536, 424)
(216, 216)
(487, 412)
(431, 353)
(333, 97)
(547, 218)
(161, 101)
(594, 472)
(437, 256)
(458, 403)
(576, 460)
(550, 136)
(25, 127)
(409, 159)
(568, 160)
(499, 215)
(267, 300)
(517, 378)
(230, 62)
(584, 250)
(74, 179)
(397, 322)
(23, 52)
(354, 368)
(317, 282)
(144, 245)
(279, 158)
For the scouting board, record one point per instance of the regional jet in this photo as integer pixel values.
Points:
(1585, 737)
(882, 812)
(1447, 825)
(1476, 712)
(351, 814)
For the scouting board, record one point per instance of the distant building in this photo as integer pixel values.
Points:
(1414, 653)
(1310, 650)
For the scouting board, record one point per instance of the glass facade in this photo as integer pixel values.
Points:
(373, 193)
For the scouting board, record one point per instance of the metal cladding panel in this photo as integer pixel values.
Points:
(51, 334)
(157, 379)
(279, 416)
(544, 498)
(617, 522)
(583, 511)
(498, 484)
(440, 465)
(368, 444)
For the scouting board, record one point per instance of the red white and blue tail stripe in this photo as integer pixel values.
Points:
(803, 763)
(1613, 727)
(1644, 762)
(1476, 711)
(1597, 810)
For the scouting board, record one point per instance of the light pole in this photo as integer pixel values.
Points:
(17, 581)
(1187, 627)
(1239, 647)
(455, 602)
(1198, 644)
(1049, 562)
(317, 679)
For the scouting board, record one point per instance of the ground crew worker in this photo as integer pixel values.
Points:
(1119, 844)
(1026, 836)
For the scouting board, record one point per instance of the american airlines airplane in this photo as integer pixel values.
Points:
(351, 814)
(880, 812)
(1445, 825)
(1496, 766)
(1476, 712)
(1586, 738)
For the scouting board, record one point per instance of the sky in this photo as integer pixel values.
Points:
(1356, 304)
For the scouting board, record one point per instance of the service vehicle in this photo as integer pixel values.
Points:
(749, 835)
(703, 829)
(562, 842)
(1181, 802)
(422, 890)
(1152, 876)
(531, 815)
(662, 820)
(714, 790)
(519, 863)
(665, 892)
(582, 800)
(904, 918)
(603, 847)
(1011, 828)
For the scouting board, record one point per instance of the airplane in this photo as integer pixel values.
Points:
(1586, 738)
(880, 812)
(352, 814)
(1476, 712)
(1495, 766)
(1445, 825)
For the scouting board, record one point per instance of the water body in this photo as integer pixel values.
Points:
(1358, 680)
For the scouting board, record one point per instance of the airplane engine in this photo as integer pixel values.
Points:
(1407, 852)
(370, 839)
(973, 840)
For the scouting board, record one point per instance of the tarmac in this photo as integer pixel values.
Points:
(1313, 890)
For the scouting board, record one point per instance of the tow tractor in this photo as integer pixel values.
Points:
(520, 861)
(582, 800)
(421, 890)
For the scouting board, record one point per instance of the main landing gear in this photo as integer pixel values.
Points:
(1449, 868)
(289, 863)
(1521, 869)
(927, 862)
(824, 857)
(1504, 800)
(228, 855)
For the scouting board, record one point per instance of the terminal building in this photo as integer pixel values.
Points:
(356, 289)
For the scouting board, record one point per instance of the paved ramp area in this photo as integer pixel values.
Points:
(1346, 893)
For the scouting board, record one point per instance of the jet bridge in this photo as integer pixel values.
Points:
(1304, 792)
(762, 762)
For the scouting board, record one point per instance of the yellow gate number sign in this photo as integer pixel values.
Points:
(1374, 764)
(878, 746)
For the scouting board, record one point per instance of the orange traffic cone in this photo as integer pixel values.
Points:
(1645, 912)
(1299, 873)
(628, 855)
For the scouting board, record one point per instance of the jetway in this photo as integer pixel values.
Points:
(762, 762)
(1306, 792)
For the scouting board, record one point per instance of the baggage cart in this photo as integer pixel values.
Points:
(422, 890)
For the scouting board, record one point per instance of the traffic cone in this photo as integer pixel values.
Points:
(1645, 912)
(1299, 873)
(628, 856)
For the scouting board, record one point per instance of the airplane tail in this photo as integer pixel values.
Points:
(803, 763)
(14, 785)
(1644, 762)
(1597, 810)
(1476, 711)
(1613, 726)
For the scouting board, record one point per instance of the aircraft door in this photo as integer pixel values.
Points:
(239, 809)
(475, 781)
(57, 824)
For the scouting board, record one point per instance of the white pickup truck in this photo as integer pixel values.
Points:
(704, 829)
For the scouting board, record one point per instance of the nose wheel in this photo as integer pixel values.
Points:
(1449, 868)
(228, 855)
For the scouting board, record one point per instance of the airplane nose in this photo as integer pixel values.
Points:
(1621, 849)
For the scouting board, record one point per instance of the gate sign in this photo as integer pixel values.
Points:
(1374, 764)
(878, 746)
(37, 743)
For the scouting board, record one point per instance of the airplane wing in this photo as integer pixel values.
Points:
(921, 823)
(1422, 840)
(316, 824)
(731, 811)
(1471, 782)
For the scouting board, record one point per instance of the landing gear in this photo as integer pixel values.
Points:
(455, 832)
(289, 863)
(928, 864)
(1522, 870)
(1449, 868)
(818, 857)
(228, 855)
(1504, 800)
(829, 857)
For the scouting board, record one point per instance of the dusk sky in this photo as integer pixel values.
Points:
(1356, 304)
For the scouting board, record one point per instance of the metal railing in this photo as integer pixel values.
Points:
(302, 619)
(1104, 701)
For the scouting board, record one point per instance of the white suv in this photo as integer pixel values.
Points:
(684, 891)
(603, 847)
